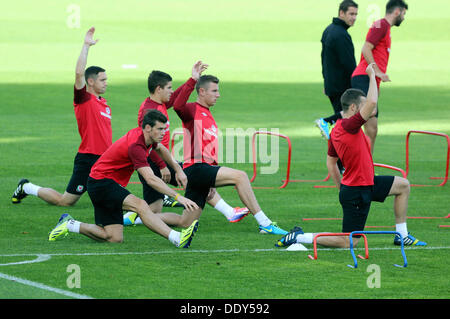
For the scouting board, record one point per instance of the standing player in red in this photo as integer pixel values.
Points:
(376, 50)
(161, 98)
(200, 147)
(94, 126)
(109, 177)
(359, 185)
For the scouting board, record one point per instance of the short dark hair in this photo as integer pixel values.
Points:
(393, 4)
(204, 80)
(152, 116)
(351, 96)
(92, 72)
(347, 4)
(157, 78)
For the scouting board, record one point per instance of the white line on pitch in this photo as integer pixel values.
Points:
(44, 287)
(213, 251)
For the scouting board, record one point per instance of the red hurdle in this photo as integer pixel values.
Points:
(448, 153)
(286, 181)
(366, 246)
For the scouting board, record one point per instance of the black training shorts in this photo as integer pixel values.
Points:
(201, 177)
(82, 165)
(107, 196)
(149, 194)
(356, 200)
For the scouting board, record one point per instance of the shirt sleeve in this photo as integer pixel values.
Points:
(331, 150)
(138, 155)
(182, 94)
(377, 32)
(346, 54)
(80, 96)
(353, 124)
(185, 112)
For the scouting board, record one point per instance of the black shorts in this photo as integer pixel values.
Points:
(82, 165)
(149, 194)
(107, 196)
(362, 82)
(201, 177)
(356, 200)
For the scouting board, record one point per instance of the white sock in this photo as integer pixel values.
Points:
(73, 226)
(262, 219)
(31, 189)
(223, 207)
(174, 237)
(306, 238)
(402, 229)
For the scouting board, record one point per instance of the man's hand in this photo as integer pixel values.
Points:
(181, 178)
(187, 203)
(383, 76)
(370, 69)
(165, 174)
(198, 69)
(89, 38)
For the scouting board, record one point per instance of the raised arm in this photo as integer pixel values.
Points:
(180, 97)
(80, 81)
(369, 108)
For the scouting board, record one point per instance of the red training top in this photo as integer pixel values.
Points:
(380, 36)
(349, 143)
(123, 157)
(200, 143)
(94, 122)
(175, 98)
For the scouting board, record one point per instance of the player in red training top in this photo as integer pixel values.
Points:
(200, 148)
(94, 126)
(162, 98)
(109, 177)
(359, 185)
(376, 50)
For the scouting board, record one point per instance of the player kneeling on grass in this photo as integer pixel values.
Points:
(111, 174)
(359, 185)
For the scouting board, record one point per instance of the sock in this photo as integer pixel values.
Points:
(402, 229)
(174, 237)
(306, 238)
(138, 221)
(262, 219)
(31, 189)
(224, 208)
(73, 226)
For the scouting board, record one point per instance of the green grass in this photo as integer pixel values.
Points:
(268, 60)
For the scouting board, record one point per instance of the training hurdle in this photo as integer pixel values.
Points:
(445, 178)
(355, 263)
(286, 181)
(366, 246)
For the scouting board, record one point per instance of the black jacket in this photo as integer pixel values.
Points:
(338, 57)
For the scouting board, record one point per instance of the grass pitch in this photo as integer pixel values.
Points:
(268, 60)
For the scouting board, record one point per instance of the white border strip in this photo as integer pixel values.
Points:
(44, 287)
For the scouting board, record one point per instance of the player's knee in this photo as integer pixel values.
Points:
(115, 239)
(241, 176)
(405, 185)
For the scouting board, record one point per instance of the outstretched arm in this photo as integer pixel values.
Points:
(82, 59)
(369, 108)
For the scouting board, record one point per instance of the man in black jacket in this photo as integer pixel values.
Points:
(338, 61)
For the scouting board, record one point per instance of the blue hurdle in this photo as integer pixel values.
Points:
(405, 262)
